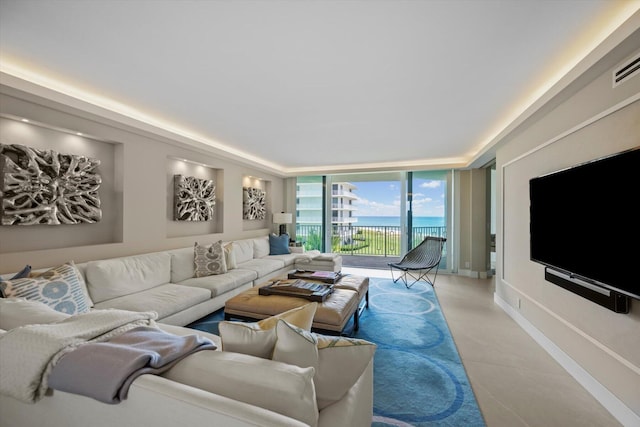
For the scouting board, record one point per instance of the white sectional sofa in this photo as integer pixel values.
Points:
(208, 388)
(164, 281)
(211, 387)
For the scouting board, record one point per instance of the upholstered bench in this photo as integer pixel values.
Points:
(349, 298)
(315, 261)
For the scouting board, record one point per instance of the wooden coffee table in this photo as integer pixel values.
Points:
(349, 298)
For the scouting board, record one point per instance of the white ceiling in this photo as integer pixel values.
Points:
(310, 85)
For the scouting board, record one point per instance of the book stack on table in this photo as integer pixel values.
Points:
(318, 276)
(298, 288)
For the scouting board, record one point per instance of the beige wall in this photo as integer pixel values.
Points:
(137, 192)
(471, 219)
(595, 121)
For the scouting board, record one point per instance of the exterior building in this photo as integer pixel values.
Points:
(309, 202)
(342, 197)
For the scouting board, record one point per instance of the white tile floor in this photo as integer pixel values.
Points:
(516, 382)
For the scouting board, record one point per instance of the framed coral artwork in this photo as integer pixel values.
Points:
(253, 203)
(195, 198)
(47, 187)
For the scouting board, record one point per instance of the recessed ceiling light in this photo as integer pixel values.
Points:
(25, 120)
(79, 133)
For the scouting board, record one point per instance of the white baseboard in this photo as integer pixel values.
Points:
(614, 405)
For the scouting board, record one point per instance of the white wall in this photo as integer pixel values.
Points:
(137, 191)
(594, 121)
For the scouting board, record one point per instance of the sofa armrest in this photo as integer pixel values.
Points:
(152, 400)
(355, 409)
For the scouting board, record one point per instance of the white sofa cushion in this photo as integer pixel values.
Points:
(261, 247)
(258, 338)
(221, 283)
(243, 250)
(182, 264)
(287, 259)
(113, 278)
(165, 300)
(279, 387)
(262, 266)
(61, 288)
(324, 353)
(15, 312)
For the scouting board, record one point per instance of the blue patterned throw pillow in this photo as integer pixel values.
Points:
(61, 288)
(279, 245)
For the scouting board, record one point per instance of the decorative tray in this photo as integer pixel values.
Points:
(297, 288)
(318, 276)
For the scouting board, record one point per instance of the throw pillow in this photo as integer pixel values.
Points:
(279, 245)
(303, 348)
(19, 275)
(15, 312)
(209, 259)
(61, 288)
(278, 387)
(22, 273)
(230, 256)
(258, 338)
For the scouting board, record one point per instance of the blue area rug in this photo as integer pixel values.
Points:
(419, 379)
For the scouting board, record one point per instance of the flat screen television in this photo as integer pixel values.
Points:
(585, 222)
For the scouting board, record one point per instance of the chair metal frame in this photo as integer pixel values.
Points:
(420, 261)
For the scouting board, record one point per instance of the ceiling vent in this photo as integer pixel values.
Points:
(626, 70)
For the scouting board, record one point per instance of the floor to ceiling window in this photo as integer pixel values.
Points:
(372, 214)
(427, 207)
(375, 227)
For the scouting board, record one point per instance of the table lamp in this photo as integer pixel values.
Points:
(283, 219)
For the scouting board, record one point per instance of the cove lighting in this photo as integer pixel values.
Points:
(40, 78)
(597, 34)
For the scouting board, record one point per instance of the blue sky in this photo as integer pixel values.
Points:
(382, 198)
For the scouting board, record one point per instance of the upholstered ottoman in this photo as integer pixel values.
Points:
(321, 262)
(349, 298)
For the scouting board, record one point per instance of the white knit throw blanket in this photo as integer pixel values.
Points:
(28, 353)
(307, 256)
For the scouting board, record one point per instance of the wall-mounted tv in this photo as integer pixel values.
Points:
(585, 224)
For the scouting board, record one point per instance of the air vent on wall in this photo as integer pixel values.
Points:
(626, 70)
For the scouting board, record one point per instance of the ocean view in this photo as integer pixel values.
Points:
(418, 221)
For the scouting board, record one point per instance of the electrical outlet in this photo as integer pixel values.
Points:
(467, 264)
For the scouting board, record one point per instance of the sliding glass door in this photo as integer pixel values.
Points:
(372, 214)
(427, 207)
(374, 224)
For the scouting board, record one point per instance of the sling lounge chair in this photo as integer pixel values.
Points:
(420, 261)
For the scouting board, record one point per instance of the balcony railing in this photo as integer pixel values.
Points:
(367, 240)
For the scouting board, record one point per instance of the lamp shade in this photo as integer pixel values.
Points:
(282, 218)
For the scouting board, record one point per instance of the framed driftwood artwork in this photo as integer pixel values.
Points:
(195, 198)
(46, 187)
(253, 203)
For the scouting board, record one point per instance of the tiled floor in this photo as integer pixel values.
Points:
(516, 382)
